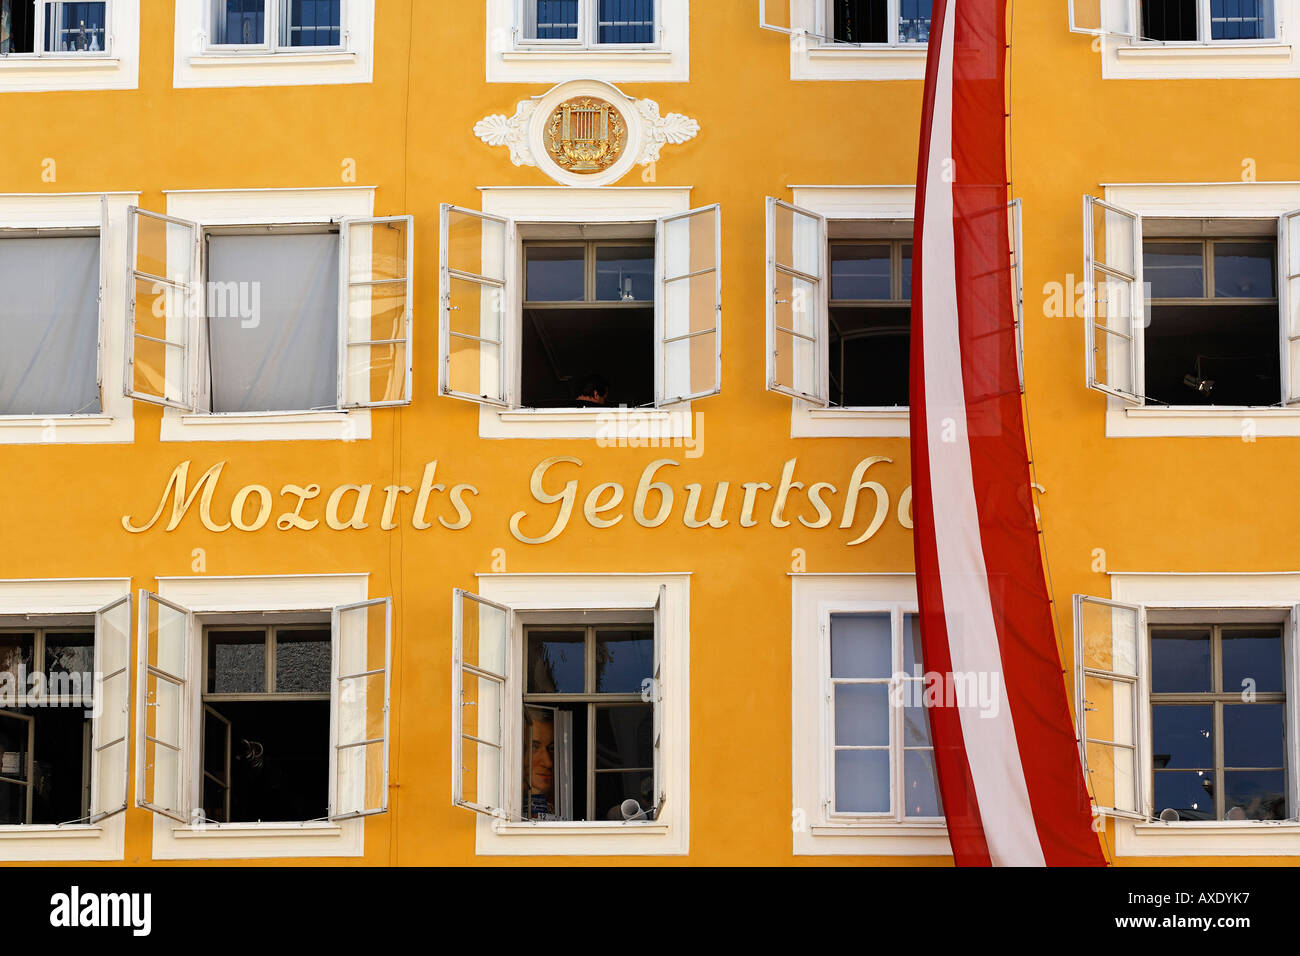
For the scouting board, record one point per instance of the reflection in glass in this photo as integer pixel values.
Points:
(1245, 270)
(625, 273)
(861, 271)
(1174, 270)
(1183, 736)
(237, 662)
(302, 661)
(624, 660)
(1180, 660)
(860, 646)
(555, 273)
(1253, 655)
(557, 662)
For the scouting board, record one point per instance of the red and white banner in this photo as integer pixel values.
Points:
(1008, 761)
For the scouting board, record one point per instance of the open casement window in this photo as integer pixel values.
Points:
(1016, 231)
(777, 15)
(375, 362)
(1114, 304)
(481, 633)
(18, 770)
(164, 734)
(360, 708)
(1108, 685)
(1288, 243)
(1103, 18)
(110, 732)
(475, 253)
(218, 746)
(52, 28)
(161, 294)
(689, 306)
(797, 322)
(656, 691)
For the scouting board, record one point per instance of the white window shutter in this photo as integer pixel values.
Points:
(476, 272)
(797, 316)
(111, 730)
(375, 311)
(688, 308)
(481, 632)
(1016, 231)
(103, 296)
(217, 780)
(359, 708)
(657, 690)
(161, 293)
(1109, 685)
(164, 754)
(1112, 18)
(777, 15)
(1114, 303)
(1288, 247)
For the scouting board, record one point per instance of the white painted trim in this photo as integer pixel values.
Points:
(226, 207)
(1210, 591)
(809, 421)
(205, 594)
(510, 61)
(115, 424)
(195, 66)
(814, 58)
(669, 837)
(813, 597)
(118, 68)
(106, 840)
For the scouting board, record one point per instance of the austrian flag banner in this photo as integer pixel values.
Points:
(1009, 771)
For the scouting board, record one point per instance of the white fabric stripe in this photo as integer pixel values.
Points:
(991, 749)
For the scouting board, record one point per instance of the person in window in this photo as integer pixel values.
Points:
(594, 392)
(539, 764)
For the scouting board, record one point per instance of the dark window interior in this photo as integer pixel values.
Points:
(861, 21)
(58, 772)
(1169, 20)
(17, 26)
(870, 323)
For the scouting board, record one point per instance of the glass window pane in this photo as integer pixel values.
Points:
(1182, 736)
(237, 662)
(625, 273)
(551, 19)
(624, 660)
(860, 645)
(1253, 735)
(70, 653)
(1174, 270)
(625, 737)
(557, 662)
(1252, 655)
(921, 785)
(905, 267)
(860, 271)
(311, 23)
(916, 716)
(1180, 660)
(16, 652)
(861, 781)
(862, 715)
(1245, 270)
(861, 21)
(239, 22)
(76, 27)
(302, 661)
(555, 273)
(913, 665)
(1241, 20)
(914, 21)
(1261, 795)
(1191, 793)
(1169, 20)
(626, 21)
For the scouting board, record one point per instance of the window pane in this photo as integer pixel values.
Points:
(626, 21)
(557, 662)
(869, 356)
(862, 781)
(1252, 655)
(1180, 661)
(1182, 736)
(551, 19)
(302, 661)
(237, 662)
(1169, 19)
(70, 654)
(1191, 793)
(555, 273)
(861, 21)
(905, 267)
(1260, 794)
(625, 273)
(624, 737)
(914, 21)
(49, 326)
(16, 652)
(312, 23)
(921, 785)
(862, 715)
(1174, 270)
(1245, 270)
(624, 660)
(860, 645)
(239, 22)
(612, 789)
(913, 664)
(860, 271)
(1253, 735)
(75, 27)
(1241, 20)
(273, 305)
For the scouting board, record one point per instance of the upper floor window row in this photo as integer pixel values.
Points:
(588, 23)
(268, 25)
(859, 22)
(1178, 21)
(34, 27)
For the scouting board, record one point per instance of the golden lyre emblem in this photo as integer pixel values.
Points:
(586, 135)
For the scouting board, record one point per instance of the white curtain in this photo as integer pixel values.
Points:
(49, 325)
(273, 322)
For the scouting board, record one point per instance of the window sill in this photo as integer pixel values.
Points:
(259, 58)
(811, 422)
(104, 842)
(261, 841)
(610, 427)
(1165, 51)
(881, 828)
(1253, 838)
(353, 425)
(823, 61)
(826, 51)
(65, 429)
(70, 831)
(552, 54)
(259, 831)
(56, 62)
(885, 839)
(582, 828)
(1242, 423)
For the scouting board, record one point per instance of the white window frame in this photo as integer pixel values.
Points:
(669, 835)
(561, 204)
(1221, 597)
(38, 36)
(104, 840)
(816, 830)
(206, 595)
(511, 58)
(115, 422)
(1233, 200)
(117, 67)
(816, 55)
(199, 63)
(274, 11)
(216, 208)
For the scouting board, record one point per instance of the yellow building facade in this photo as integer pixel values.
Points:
(347, 285)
